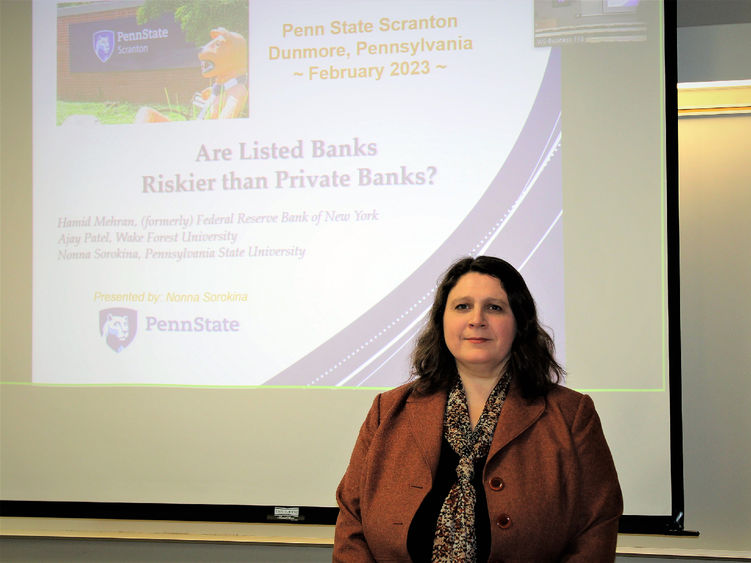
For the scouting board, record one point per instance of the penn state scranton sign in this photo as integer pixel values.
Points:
(121, 44)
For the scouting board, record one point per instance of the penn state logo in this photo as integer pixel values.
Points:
(118, 327)
(104, 44)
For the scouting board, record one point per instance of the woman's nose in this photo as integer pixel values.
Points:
(477, 319)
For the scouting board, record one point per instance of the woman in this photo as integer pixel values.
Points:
(483, 456)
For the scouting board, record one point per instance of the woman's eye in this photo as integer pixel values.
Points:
(462, 307)
(495, 308)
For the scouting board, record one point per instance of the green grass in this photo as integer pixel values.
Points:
(115, 112)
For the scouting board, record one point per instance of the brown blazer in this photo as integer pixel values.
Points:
(550, 482)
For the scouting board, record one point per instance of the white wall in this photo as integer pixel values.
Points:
(716, 325)
(715, 235)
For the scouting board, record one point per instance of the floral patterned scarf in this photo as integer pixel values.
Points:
(455, 537)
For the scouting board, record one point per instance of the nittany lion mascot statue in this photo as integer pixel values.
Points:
(224, 60)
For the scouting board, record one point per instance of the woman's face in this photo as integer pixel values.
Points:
(478, 325)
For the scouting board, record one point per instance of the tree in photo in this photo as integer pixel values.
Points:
(198, 17)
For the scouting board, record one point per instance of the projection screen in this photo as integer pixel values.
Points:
(238, 226)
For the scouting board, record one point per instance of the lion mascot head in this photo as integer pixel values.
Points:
(224, 60)
(225, 56)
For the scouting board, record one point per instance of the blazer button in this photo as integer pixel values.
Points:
(496, 483)
(503, 521)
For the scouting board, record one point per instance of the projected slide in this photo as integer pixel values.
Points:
(269, 197)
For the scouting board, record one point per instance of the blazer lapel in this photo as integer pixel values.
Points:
(517, 415)
(425, 416)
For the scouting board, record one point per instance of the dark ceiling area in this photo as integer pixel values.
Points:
(712, 12)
